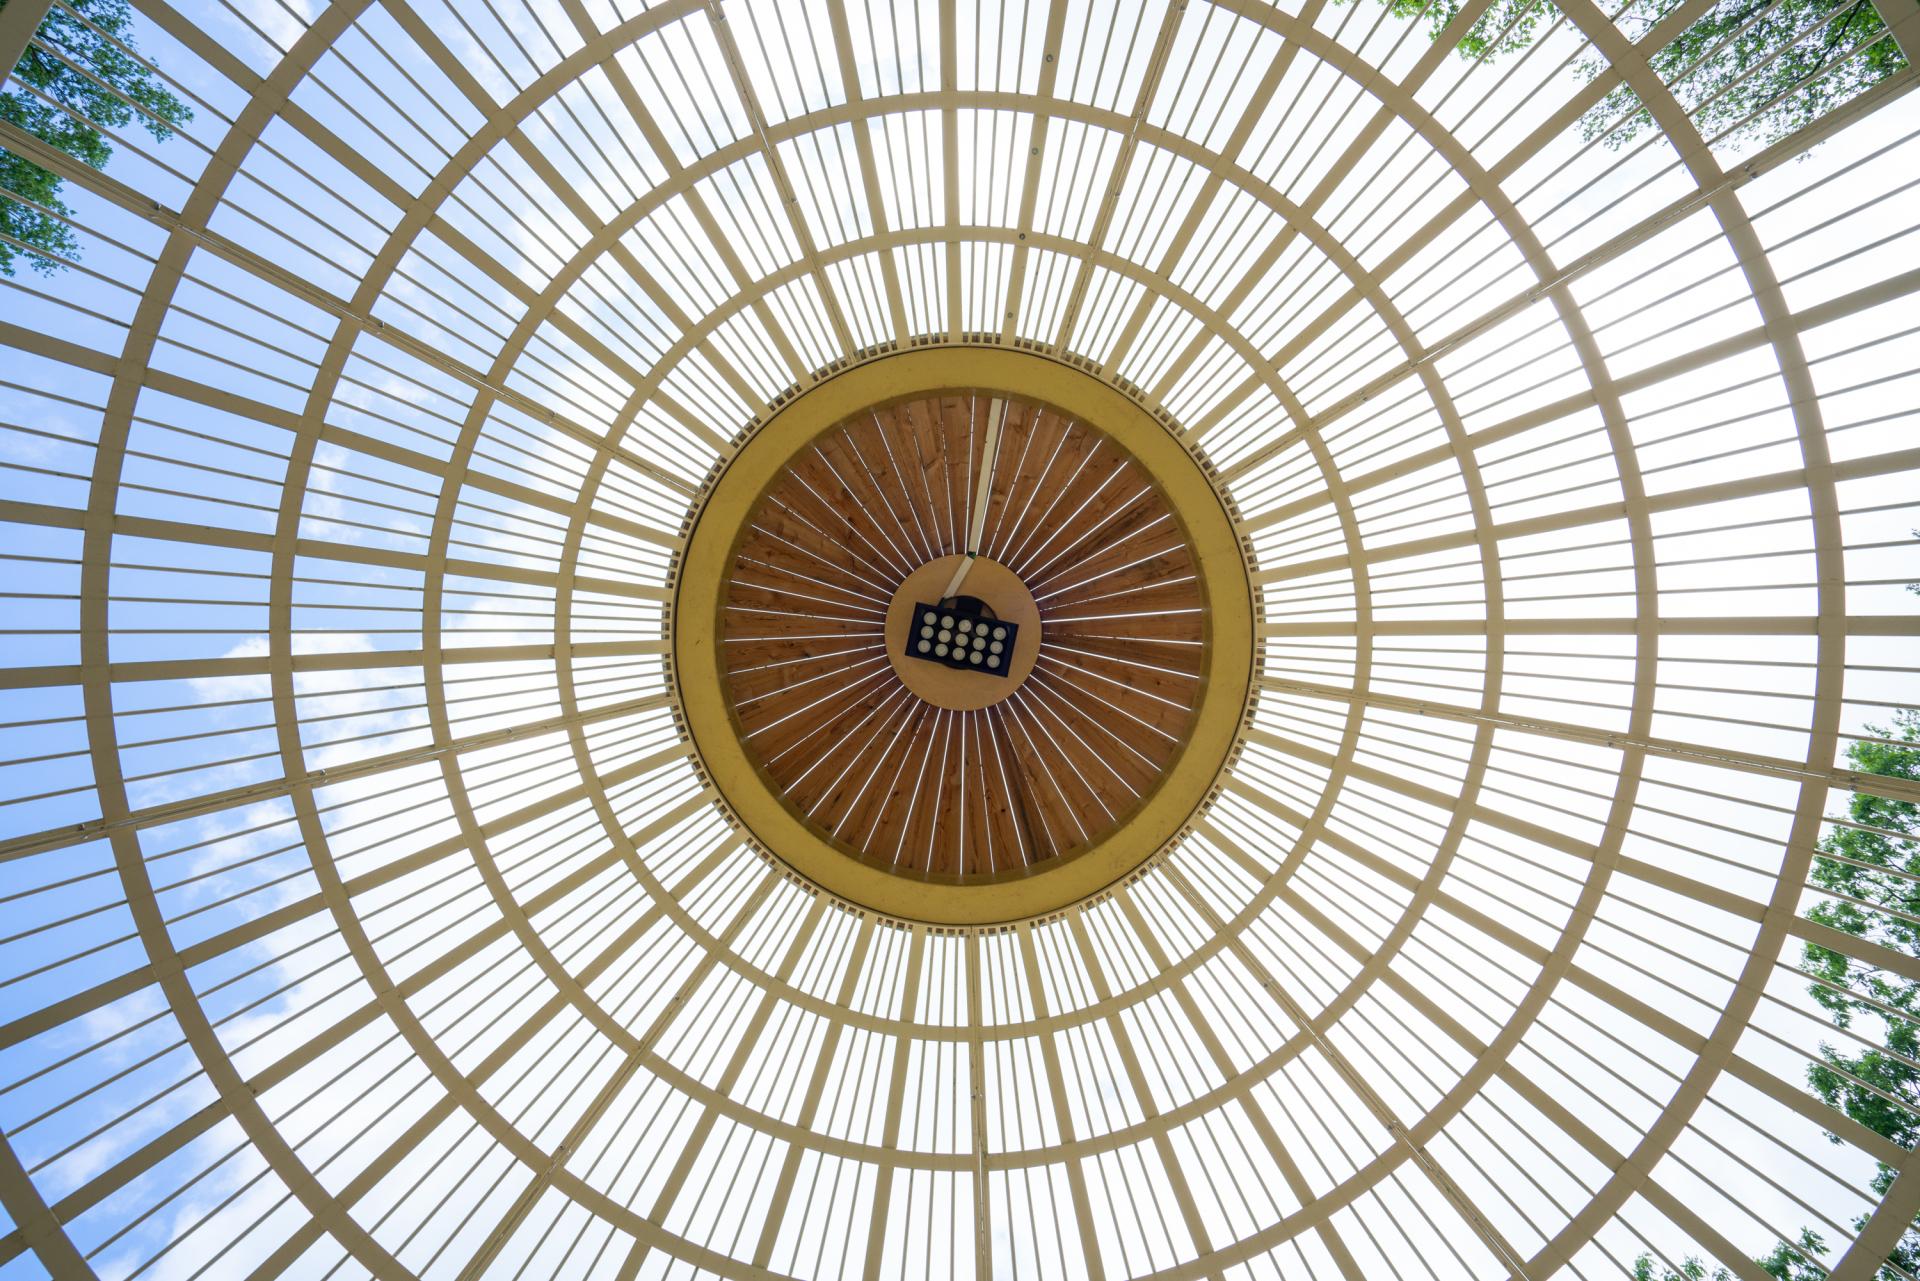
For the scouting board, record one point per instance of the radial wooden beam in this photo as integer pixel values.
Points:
(491, 756)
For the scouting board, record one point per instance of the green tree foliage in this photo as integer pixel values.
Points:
(1690, 1270)
(95, 82)
(1762, 68)
(1788, 1264)
(1870, 864)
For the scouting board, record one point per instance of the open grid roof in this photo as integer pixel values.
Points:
(366, 910)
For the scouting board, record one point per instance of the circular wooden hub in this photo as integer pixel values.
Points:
(950, 687)
(921, 768)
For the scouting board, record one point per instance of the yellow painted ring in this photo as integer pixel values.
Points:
(700, 597)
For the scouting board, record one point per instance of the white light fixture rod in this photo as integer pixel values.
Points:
(996, 419)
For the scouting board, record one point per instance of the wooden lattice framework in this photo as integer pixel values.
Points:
(1489, 934)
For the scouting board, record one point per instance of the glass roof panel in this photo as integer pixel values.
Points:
(368, 909)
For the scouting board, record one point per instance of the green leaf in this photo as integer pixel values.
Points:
(1750, 69)
(79, 78)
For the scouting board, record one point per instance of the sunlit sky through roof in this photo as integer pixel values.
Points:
(355, 859)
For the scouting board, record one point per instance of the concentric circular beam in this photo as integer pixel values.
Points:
(389, 889)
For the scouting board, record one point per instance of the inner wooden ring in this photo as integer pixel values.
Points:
(931, 772)
(949, 687)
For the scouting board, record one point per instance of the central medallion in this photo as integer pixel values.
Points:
(963, 635)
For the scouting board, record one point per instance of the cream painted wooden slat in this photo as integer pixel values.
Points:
(1376, 635)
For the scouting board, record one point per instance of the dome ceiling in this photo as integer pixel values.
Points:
(395, 884)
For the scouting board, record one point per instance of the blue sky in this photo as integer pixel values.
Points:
(687, 318)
